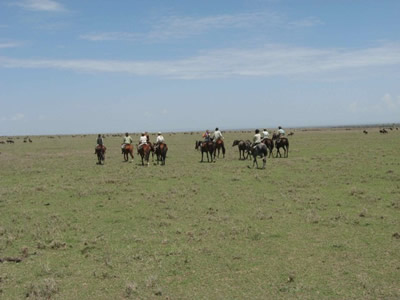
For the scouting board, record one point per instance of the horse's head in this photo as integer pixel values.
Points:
(197, 144)
(235, 143)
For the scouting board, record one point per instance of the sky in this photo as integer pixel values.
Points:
(95, 66)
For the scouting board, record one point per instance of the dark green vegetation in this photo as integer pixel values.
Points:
(321, 224)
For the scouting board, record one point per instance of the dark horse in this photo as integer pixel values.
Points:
(244, 147)
(281, 142)
(270, 145)
(161, 153)
(144, 151)
(100, 150)
(261, 151)
(126, 151)
(207, 147)
(219, 144)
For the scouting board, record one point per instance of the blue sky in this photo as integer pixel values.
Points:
(93, 66)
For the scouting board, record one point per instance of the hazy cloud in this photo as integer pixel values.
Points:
(41, 5)
(8, 45)
(261, 62)
(175, 27)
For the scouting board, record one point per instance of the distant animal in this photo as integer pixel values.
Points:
(205, 147)
(281, 142)
(2, 142)
(144, 152)
(161, 153)
(383, 130)
(290, 133)
(365, 132)
(126, 151)
(270, 145)
(30, 141)
(219, 145)
(25, 141)
(10, 141)
(100, 151)
(260, 150)
(243, 147)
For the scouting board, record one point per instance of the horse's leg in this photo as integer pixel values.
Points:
(223, 151)
(202, 153)
(287, 149)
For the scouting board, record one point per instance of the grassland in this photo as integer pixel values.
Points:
(321, 224)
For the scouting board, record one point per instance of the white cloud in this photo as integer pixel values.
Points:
(8, 45)
(390, 102)
(16, 117)
(175, 27)
(41, 5)
(262, 62)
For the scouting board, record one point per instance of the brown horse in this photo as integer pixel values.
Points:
(100, 150)
(161, 153)
(219, 145)
(281, 142)
(126, 151)
(270, 145)
(244, 147)
(207, 147)
(144, 152)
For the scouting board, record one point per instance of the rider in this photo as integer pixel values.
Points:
(206, 136)
(142, 140)
(217, 135)
(147, 136)
(256, 138)
(127, 141)
(160, 139)
(281, 132)
(99, 143)
(265, 134)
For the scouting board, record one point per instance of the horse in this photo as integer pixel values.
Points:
(261, 151)
(126, 151)
(207, 147)
(100, 150)
(270, 145)
(365, 132)
(383, 130)
(244, 147)
(144, 152)
(161, 153)
(219, 144)
(281, 142)
(290, 133)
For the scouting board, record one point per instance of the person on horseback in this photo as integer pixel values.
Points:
(99, 143)
(217, 135)
(147, 137)
(265, 134)
(142, 140)
(160, 139)
(127, 141)
(281, 132)
(256, 138)
(206, 136)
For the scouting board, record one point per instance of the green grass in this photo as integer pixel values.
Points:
(317, 225)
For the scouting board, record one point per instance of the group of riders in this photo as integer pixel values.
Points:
(260, 137)
(128, 141)
(257, 139)
(208, 137)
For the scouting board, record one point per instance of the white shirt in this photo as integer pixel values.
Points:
(218, 135)
(281, 131)
(143, 140)
(257, 138)
(160, 139)
(265, 134)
